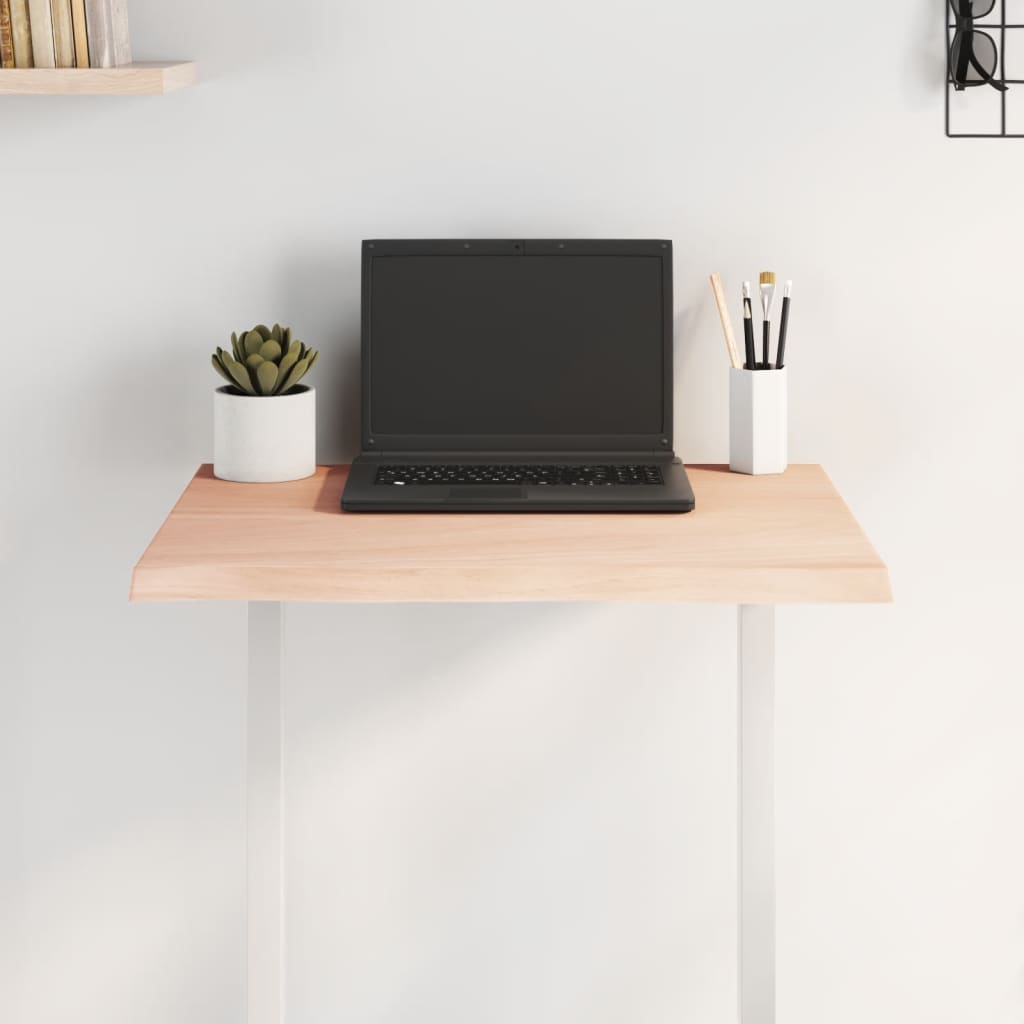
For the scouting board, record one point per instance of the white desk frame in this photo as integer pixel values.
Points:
(266, 814)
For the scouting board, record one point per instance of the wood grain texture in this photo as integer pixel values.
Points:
(133, 79)
(751, 540)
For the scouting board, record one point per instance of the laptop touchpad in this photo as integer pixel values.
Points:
(485, 491)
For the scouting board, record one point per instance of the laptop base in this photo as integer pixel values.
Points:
(363, 492)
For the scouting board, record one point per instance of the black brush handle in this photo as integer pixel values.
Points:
(765, 344)
(783, 327)
(748, 335)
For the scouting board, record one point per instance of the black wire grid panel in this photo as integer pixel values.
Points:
(1001, 26)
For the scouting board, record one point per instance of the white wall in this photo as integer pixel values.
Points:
(503, 814)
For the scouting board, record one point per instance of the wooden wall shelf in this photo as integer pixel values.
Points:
(140, 79)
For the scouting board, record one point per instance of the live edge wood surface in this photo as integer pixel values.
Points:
(751, 540)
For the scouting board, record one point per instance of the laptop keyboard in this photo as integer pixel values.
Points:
(539, 475)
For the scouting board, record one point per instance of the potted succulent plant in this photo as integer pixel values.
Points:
(264, 420)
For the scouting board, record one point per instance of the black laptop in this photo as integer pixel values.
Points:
(517, 376)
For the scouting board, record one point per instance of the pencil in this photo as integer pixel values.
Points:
(723, 313)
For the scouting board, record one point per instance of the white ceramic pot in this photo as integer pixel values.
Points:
(758, 421)
(264, 440)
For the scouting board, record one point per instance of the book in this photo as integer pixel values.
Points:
(41, 20)
(63, 33)
(6, 35)
(81, 35)
(109, 43)
(22, 34)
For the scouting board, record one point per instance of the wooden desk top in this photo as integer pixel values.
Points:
(751, 540)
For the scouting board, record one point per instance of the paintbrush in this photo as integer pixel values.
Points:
(748, 328)
(767, 301)
(780, 354)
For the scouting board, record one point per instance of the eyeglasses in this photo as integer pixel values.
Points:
(973, 57)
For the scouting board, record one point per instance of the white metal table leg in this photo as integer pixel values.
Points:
(757, 814)
(265, 816)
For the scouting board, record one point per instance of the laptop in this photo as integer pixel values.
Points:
(517, 376)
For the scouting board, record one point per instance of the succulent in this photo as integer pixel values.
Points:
(264, 361)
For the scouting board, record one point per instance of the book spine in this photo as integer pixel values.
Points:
(22, 32)
(109, 40)
(42, 33)
(63, 33)
(81, 35)
(122, 37)
(6, 35)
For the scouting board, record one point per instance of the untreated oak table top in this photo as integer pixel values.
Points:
(751, 540)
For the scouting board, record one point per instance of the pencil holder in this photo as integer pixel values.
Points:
(758, 421)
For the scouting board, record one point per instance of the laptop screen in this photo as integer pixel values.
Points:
(520, 343)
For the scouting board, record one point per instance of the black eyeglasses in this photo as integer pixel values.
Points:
(973, 56)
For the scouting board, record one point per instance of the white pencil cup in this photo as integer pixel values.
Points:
(758, 421)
